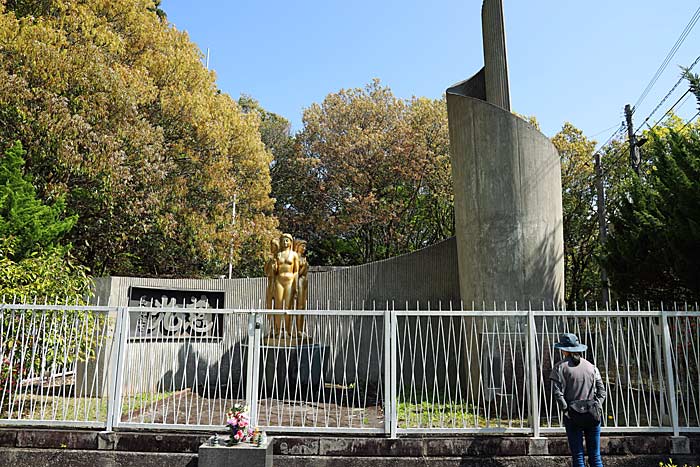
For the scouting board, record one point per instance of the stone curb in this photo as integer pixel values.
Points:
(352, 447)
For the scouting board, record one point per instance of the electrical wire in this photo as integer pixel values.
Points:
(669, 57)
(689, 27)
(625, 147)
(670, 110)
(690, 121)
(680, 80)
(611, 137)
(604, 131)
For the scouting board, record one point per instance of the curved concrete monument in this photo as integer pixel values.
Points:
(507, 185)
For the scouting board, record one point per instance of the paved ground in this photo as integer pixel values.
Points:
(187, 407)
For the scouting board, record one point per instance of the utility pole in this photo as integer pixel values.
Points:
(602, 223)
(634, 153)
(230, 252)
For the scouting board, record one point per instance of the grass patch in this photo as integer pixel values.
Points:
(69, 408)
(429, 415)
(135, 403)
(49, 407)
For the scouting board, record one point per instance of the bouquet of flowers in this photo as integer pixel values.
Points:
(238, 422)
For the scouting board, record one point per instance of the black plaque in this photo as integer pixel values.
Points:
(179, 313)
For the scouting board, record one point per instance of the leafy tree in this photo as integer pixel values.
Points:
(121, 119)
(26, 220)
(654, 244)
(46, 274)
(33, 265)
(580, 223)
(275, 133)
(371, 176)
(432, 219)
(694, 84)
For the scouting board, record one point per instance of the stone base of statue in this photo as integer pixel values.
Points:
(291, 368)
(215, 453)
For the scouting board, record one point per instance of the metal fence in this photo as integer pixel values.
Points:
(385, 371)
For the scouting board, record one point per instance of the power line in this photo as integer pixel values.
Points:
(690, 121)
(688, 28)
(611, 137)
(680, 80)
(669, 110)
(669, 57)
(621, 150)
(604, 131)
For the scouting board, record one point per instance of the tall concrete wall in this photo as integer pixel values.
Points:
(508, 208)
(507, 186)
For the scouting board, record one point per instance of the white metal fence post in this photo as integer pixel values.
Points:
(670, 376)
(532, 367)
(249, 363)
(114, 391)
(388, 416)
(253, 365)
(393, 412)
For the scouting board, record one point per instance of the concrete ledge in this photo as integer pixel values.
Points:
(20, 447)
(63, 439)
(18, 457)
(537, 447)
(106, 440)
(535, 461)
(159, 442)
(485, 446)
(371, 447)
(680, 445)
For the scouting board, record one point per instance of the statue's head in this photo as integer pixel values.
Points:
(286, 241)
(274, 245)
(300, 246)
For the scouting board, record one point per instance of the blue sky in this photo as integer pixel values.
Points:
(576, 61)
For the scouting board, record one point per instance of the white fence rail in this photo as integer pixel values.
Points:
(341, 371)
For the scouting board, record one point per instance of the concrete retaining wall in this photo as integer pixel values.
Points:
(426, 275)
(36, 447)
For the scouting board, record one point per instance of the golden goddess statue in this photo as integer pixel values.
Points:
(287, 284)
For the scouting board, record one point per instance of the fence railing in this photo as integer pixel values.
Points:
(341, 371)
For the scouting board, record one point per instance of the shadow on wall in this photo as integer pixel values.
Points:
(549, 262)
(222, 379)
(191, 369)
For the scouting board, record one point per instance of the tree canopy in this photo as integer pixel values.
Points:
(25, 221)
(120, 118)
(581, 241)
(33, 260)
(368, 177)
(654, 246)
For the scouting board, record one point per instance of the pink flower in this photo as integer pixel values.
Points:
(239, 435)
